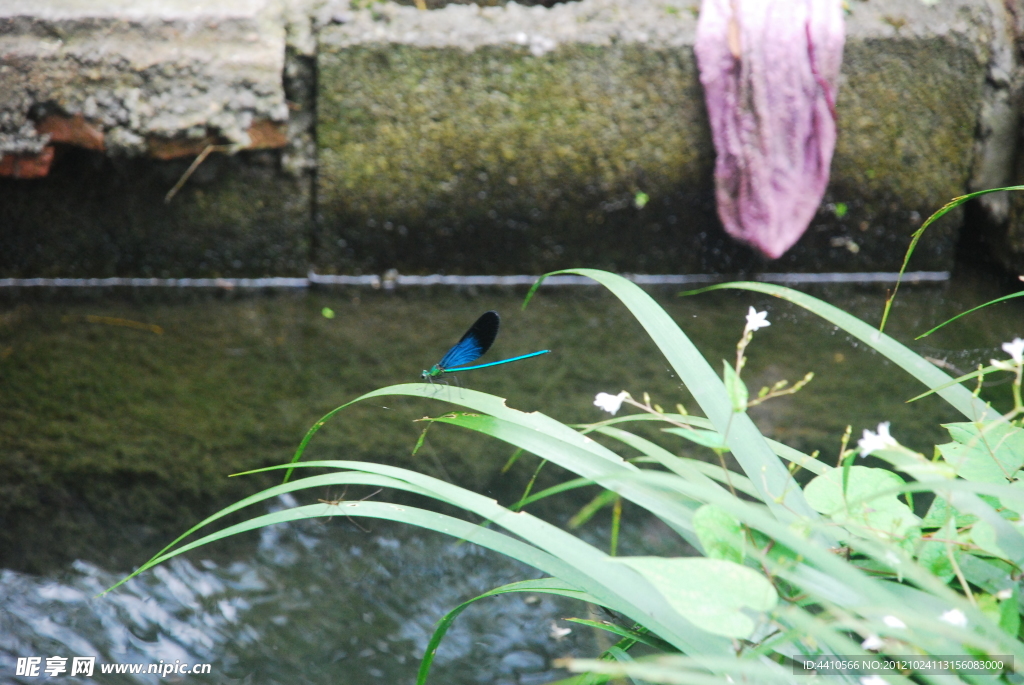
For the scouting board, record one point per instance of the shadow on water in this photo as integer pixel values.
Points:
(122, 414)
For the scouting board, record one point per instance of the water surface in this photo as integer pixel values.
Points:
(122, 416)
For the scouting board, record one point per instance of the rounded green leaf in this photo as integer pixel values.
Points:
(713, 594)
(862, 511)
(989, 452)
(720, 533)
(983, 534)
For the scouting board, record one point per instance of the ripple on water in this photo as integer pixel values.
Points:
(316, 601)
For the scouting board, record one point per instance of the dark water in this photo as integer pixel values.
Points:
(115, 436)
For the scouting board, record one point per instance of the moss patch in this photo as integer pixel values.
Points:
(497, 161)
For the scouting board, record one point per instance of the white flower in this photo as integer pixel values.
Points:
(873, 642)
(954, 617)
(872, 442)
(556, 632)
(873, 680)
(756, 320)
(1004, 594)
(1015, 349)
(893, 622)
(610, 403)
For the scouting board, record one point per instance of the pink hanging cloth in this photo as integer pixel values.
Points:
(770, 70)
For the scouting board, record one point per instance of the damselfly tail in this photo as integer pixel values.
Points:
(500, 361)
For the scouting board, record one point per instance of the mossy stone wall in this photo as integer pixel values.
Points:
(488, 140)
(496, 160)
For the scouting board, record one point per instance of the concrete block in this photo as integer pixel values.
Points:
(512, 139)
(140, 72)
(139, 83)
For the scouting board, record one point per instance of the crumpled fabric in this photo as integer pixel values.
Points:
(770, 70)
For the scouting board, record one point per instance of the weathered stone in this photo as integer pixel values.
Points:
(1007, 239)
(909, 101)
(173, 148)
(263, 135)
(154, 69)
(512, 139)
(267, 135)
(467, 139)
(94, 216)
(999, 116)
(72, 130)
(163, 78)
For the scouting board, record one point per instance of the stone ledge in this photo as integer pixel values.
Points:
(139, 71)
(503, 139)
(512, 139)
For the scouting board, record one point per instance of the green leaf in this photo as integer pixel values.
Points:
(720, 534)
(1009, 614)
(863, 512)
(989, 606)
(712, 439)
(983, 534)
(621, 631)
(934, 554)
(737, 389)
(940, 511)
(710, 593)
(915, 464)
(990, 452)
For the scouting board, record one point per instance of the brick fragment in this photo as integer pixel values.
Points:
(27, 166)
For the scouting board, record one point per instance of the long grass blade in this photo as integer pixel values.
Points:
(579, 563)
(553, 490)
(685, 468)
(970, 311)
(551, 586)
(955, 381)
(622, 631)
(916, 237)
(794, 456)
(773, 481)
(911, 362)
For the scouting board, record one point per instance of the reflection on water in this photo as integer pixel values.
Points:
(316, 603)
(116, 438)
